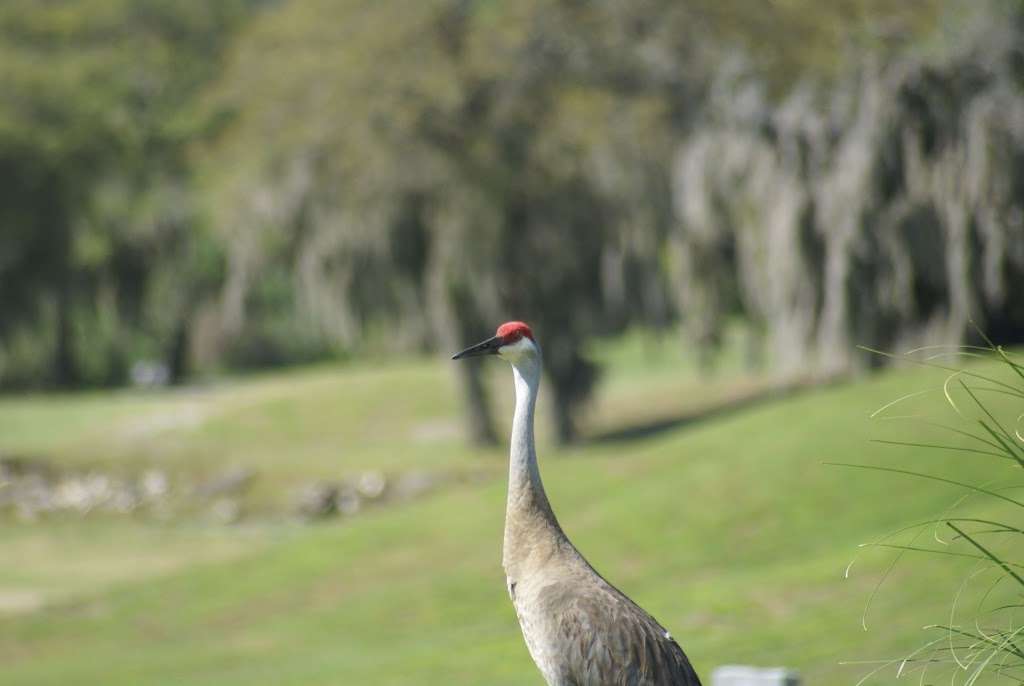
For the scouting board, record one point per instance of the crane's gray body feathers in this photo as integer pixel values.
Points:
(579, 629)
(582, 631)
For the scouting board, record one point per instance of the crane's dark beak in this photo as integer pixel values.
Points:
(488, 347)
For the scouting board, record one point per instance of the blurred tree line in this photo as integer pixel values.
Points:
(102, 248)
(252, 183)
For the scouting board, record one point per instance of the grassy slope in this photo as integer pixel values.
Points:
(730, 531)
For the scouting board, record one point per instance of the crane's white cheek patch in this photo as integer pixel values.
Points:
(514, 350)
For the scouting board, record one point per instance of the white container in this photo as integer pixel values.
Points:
(740, 675)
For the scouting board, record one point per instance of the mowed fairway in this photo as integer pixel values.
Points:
(728, 529)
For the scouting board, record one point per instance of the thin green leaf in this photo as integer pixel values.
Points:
(922, 348)
(1005, 565)
(967, 634)
(939, 366)
(930, 477)
(999, 350)
(936, 551)
(937, 446)
(908, 396)
(1009, 451)
(992, 417)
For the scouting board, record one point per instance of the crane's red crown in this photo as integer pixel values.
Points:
(513, 331)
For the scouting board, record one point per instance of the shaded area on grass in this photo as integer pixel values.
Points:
(744, 400)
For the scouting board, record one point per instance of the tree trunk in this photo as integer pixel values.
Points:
(64, 365)
(178, 359)
(562, 416)
(478, 408)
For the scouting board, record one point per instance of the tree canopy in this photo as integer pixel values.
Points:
(249, 183)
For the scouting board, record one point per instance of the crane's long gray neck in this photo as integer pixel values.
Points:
(530, 524)
(524, 476)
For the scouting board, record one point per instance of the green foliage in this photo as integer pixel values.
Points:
(469, 176)
(248, 182)
(94, 124)
(978, 532)
(273, 334)
(438, 168)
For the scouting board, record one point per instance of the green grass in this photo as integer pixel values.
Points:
(729, 530)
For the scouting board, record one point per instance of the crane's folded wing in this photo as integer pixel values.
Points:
(608, 639)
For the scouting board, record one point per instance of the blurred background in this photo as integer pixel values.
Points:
(238, 241)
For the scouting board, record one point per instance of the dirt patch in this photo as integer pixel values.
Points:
(32, 489)
(20, 601)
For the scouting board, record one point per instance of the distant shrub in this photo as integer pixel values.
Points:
(275, 333)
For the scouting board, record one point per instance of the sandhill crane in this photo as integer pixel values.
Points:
(579, 629)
